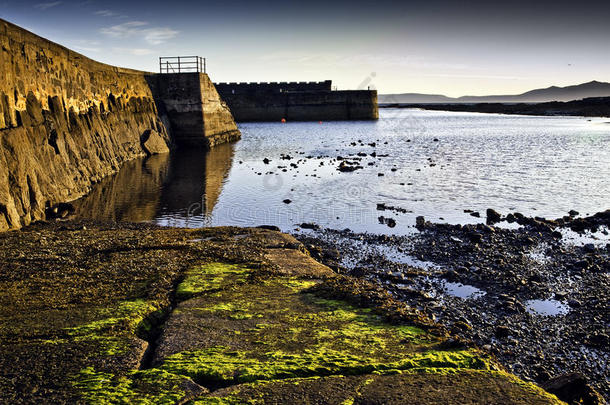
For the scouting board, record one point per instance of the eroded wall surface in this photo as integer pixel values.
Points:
(66, 122)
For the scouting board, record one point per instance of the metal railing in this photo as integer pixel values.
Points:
(182, 64)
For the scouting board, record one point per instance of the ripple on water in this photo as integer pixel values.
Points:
(547, 307)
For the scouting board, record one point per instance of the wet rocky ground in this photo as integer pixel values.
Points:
(533, 292)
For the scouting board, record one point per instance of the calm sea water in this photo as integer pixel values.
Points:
(430, 163)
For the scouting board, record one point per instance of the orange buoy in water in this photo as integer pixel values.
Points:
(319, 122)
(284, 120)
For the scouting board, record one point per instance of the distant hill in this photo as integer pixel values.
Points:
(588, 107)
(553, 93)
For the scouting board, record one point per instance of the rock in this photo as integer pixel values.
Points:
(493, 216)
(581, 265)
(598, 339)
(310, 225)
(561, 295)
(269, 227)
(287, 201)
(420, 222)
(450, 275)
(589, 248)
(574, 303)
(475, 237)
(573, 213)
(487, 228)
(346, 166)
(529, 241)
(266, 161)
(574, 389)
(59, 211)
(153, 143)
(391, 222)
(503, 332)
(475, 214)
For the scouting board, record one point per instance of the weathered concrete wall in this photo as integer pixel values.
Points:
(197, 115)
(272, 87)
(66, 122)
(312, 105)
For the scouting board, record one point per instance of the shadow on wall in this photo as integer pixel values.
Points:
(169, 184)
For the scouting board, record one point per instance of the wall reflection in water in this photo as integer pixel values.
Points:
(178, 189)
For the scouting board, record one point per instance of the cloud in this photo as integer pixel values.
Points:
(124, 30)
(134, 51)
(152, 35)
(44, 6)
(105, 13)
(494, 77)
(382, 59)
(157, 36)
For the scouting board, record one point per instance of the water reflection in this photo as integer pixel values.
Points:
(194, 185)
(132, 194)
(547, 307)
(185, 183)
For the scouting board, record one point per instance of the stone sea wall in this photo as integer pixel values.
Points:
(197, 115)
(66, 122)
(297, 102)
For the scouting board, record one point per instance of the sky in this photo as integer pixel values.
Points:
(438, 47)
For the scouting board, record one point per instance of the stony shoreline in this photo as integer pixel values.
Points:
(137, 313)
(537, 302)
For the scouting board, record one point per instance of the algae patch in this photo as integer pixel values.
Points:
(210, 277)
(137, 387)
(223, 366)
(253, 335)
(114, 328)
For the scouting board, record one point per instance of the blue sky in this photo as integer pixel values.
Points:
(453, 48)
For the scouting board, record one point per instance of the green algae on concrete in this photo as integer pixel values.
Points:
(211, 276)
(114, 328)
(223, 366)
(137, 387)
(91, 296)
(298, 334)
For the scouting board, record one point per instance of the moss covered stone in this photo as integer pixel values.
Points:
(210, 277)
(137, 387)
(77, 308)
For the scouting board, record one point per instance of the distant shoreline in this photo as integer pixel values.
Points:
(589, 107)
